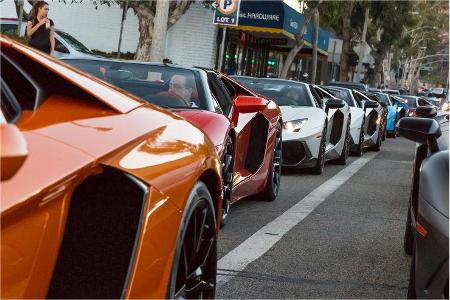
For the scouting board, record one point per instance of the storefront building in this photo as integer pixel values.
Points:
(264, 35)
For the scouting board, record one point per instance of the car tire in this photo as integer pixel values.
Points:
(270, 192)
(377, 146)
(408, 238)
(227, 162)
(202, 278)
(412, 278)
(320, 164)
(342, 160)
(384, 132)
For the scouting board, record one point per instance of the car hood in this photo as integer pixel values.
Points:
(290, 113)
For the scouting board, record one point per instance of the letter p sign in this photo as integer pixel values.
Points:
(227, 7)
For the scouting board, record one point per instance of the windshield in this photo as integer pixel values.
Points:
(283, 92)
(165, 86)
(74, 43)
(412, 101)
(358, 87)
(385, 98)
(343, 95)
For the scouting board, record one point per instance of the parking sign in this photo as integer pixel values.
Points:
(227, 12)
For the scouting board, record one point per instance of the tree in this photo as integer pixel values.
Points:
(387, 18)
(145, 11)
(299, 38)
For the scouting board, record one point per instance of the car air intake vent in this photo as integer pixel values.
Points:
(372, 127)
(257, 143)
(98, 244)
(336, 130)
(293, 153)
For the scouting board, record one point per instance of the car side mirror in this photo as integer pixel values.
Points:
(383, 103)
(426, 111)
(250, 104)
(13, 150)
(331, 103)
(420, 130)
(370, 104)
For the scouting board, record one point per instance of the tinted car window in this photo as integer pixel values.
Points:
(165, 86)
(284, 93)
(412, 101)
(344, 95)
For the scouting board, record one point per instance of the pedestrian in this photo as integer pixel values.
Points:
(232, 66)
(41, 29)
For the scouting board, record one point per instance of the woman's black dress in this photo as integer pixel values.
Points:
(40, 39)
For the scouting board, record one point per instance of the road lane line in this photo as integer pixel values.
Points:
(261, 241)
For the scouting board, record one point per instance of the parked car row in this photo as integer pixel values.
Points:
(117, 175)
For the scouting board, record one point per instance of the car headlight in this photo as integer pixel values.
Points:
(294, 125)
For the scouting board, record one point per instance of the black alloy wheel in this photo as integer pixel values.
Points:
(377, 146)
(274, 180)
(195, 263)
(320, 164)
(227, 180)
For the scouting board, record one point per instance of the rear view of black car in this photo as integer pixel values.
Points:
(426, 234)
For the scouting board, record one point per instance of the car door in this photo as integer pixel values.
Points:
(337, 117)
(251, 134)
(35, 199)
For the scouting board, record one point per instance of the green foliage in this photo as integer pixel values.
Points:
(13, 35)
(126, 55)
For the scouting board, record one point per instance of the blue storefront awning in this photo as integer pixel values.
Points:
(278, 17)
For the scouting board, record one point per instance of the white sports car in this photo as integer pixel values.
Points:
(316, 124)
(374, 114)
(357, 127)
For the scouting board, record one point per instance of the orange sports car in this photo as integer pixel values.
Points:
(102, 195)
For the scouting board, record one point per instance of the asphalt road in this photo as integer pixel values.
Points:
(344, 240)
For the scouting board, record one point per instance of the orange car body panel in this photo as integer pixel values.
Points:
(69, 140)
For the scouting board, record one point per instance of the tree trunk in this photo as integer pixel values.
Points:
(316, 37)
(299, 38)
(145, 19)
(160, 30)
(378, 70)
(346, 38)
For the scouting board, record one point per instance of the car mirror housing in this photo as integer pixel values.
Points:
(426, 111)
(13, 150)
(371, 104)
(420, 130)
(383, 103)
(250, 104)
(333, 103)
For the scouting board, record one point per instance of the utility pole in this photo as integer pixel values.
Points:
(316, 37)
(124, 16)
(159, 30)
(222, 49)
(359, 69)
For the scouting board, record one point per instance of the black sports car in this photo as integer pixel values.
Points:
(426, 234)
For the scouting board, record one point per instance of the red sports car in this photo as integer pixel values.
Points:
(245, 128)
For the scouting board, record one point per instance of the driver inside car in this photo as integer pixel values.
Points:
(180, 86)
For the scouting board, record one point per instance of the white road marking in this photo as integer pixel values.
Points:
(260, 242)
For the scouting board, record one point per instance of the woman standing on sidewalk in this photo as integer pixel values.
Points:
(41, 29)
